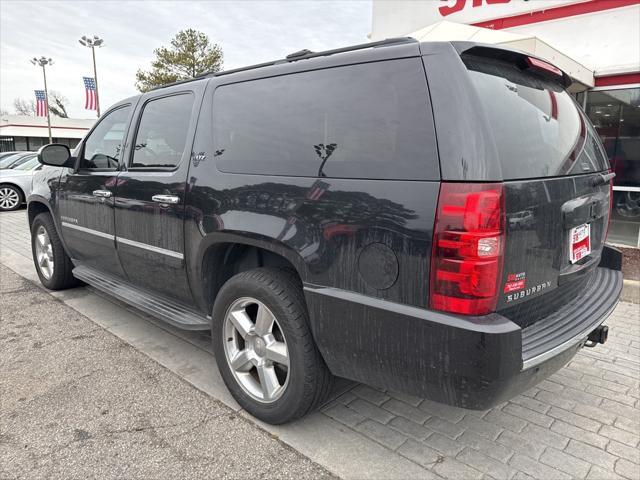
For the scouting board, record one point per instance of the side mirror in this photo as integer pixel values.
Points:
(56, 155)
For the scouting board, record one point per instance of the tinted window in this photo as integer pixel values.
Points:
(537, 127)
(103, 147)
(361, 121)
(162, 133)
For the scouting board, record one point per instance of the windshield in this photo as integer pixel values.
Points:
(5, 162)
(29, 164)
(538, 129)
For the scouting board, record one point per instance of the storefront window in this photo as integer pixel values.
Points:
(616, 116)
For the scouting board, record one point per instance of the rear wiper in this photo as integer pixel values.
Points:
(602, 179)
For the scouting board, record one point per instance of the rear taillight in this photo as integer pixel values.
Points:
(468, 246)
(610, 207)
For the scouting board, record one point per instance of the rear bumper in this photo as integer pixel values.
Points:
(470, 362)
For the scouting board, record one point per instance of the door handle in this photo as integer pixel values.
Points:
(102, 193)
(169, 199)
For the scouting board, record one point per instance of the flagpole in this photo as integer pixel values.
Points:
(93, 42)
(46, 97)
(95, 77)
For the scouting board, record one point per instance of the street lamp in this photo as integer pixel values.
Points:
(43, 62)
(92, 43)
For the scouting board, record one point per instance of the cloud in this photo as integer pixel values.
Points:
(248, 32)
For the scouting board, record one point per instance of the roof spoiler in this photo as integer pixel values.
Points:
(524, 60)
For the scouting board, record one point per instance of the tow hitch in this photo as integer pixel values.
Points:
(599, 335)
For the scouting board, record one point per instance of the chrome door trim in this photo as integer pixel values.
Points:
(151, 248)
(88, 230)
(170, 199)
(102, 193)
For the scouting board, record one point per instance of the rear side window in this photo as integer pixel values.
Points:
(361, 121)
(538, 129)
(162, 132)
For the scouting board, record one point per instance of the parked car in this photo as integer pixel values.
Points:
(429, 218)
(14, 159)
(15, 183)
(6, 154)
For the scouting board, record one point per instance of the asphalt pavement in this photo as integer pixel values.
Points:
(78, 402)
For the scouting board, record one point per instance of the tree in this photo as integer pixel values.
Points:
(191, 54)
(57, 105)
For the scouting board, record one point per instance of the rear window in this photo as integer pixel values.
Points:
(538, 129)
(359, 121)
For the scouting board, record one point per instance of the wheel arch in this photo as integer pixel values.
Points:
(37, 205)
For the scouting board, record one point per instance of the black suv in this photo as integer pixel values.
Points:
(429, 218)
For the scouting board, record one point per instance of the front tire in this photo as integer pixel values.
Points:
(10, 198)
(52, 263)
(264, 348)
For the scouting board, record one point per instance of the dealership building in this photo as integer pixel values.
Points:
(597, 42)
(26, 132)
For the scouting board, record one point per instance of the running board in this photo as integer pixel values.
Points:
(168, 310)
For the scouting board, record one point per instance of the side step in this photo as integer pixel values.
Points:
(170, 311)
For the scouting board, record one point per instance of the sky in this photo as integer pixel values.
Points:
(247, 31)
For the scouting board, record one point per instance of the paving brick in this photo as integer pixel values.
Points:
(567, 381)
(577, 420)
(449, 429)
(456, 470)
(381, 433)
(591, 454)
(410, 428)
(620, 435)
(608, 394)
(609, 385)
(453, 414)
(620, 409)
(520, 444)
(567, 463)
(488, 465)
(522, 476)
(531, 403)
(596, 413)
(344, 414)
(624, 451)
(419, 453)
(369, 394)
(627, 424)
(506, 420)
(536, 469)
(406, 398)
(443, 444)
(627, 469)
(529, 415)
(369, 410)
(581, 397)
(493, 450)
(536, 434)
(405, 410)
(555, 400)
(622, 379)
(578, 433)
(599, 473)
(480, 427)
(550, 386)
(346, 398)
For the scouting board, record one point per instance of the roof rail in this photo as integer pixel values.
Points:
(296, 56)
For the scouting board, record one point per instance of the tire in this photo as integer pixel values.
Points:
(11, 198)
(305, 384)
(59, 277)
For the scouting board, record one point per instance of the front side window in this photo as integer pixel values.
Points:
(359, 121)
(162, 133)
(103, 147)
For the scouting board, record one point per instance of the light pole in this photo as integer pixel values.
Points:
(92, 43)
(43, 62)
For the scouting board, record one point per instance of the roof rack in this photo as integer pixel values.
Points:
(296, 56)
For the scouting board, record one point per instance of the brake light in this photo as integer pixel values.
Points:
(468, 246)
(542, 65)
(610, 207)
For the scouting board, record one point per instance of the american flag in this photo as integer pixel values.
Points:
(41, 103)
(90, 93)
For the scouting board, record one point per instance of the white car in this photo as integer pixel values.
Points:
(16, 184)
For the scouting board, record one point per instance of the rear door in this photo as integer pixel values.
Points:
(557, 195)
(151, 191)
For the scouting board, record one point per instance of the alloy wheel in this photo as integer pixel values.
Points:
(256, 350)
(44, 252)
(9, 198)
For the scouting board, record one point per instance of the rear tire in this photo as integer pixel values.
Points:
(299, 381)
(52, 263)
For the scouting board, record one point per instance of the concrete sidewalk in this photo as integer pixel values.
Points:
(583, 422)
(77, 402)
